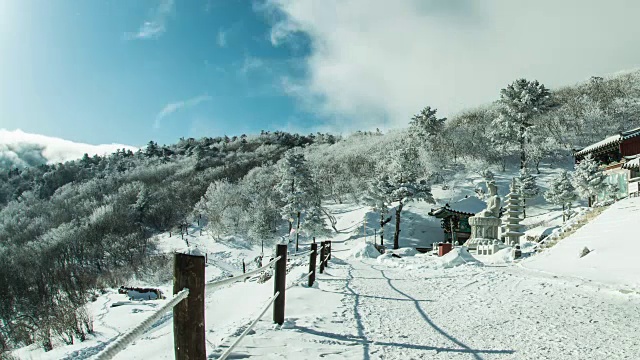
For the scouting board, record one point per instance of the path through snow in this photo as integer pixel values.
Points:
(468, 312)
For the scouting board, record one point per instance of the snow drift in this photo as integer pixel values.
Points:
(613, 241)
(363, 250)
(456, 257)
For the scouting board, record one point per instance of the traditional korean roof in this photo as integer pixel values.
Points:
(600, 144)
(632, 164)
(630, 133)
(613, 139)
(467, 206)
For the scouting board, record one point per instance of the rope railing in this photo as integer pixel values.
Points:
(227, 352)
(188, 320)
(303, 277)
(230, 280)
(124, 341)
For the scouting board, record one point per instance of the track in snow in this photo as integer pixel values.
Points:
(467, 312)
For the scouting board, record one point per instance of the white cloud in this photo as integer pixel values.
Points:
(221, 38)
(377, 62)
(156, 25)
(18, 148)
(175, 106)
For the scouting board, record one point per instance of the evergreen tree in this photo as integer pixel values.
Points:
(426, 124)
(520, 102)
(588, 179)
(561, 192)
(403, 186)
(296, 188)
(376, 196)
(527, 187)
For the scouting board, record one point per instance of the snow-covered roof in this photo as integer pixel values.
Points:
(630, 133)
(600, 144)
(609, 141)
(632, 164)
(470, 205)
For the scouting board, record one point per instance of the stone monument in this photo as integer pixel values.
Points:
(514, 210)
(485, 224)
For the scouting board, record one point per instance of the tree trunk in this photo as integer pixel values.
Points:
(297, 230)
(396, 235)
(381, 228)
(563, 219)
(524, 208)
(523, 155)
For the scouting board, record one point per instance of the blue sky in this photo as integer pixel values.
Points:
(128, 71)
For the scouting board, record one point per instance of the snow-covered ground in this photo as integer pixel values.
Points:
(413, 307)
(612, 238)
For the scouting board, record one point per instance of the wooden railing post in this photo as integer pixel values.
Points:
(312, 264)
(188, 315)
(279, 284)
(323, 250)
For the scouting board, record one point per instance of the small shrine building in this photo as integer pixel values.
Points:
(455, 218)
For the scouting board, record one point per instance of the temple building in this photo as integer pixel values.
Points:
(455, 218)
(619, 158)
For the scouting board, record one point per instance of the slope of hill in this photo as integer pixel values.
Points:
(613, 241)
(20, 149)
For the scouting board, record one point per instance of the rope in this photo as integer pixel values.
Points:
(218, 283)
(293, 283)
(302, 253)
(119, 345)
(227, 352)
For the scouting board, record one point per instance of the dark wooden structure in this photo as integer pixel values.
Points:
(188, 315)
(455, 218)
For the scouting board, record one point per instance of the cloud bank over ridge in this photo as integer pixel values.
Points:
(20, 149)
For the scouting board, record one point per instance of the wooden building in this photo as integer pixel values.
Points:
(617, 156)
(455, 218)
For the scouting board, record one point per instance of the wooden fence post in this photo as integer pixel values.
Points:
(188, 315)
(329, 256)
(323, 250)
(279, 284)
(312, 264)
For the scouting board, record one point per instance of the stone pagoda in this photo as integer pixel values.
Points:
(512, 221)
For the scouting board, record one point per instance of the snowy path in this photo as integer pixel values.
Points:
(468, 312)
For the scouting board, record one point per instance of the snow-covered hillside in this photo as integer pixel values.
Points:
(18, 148)
(416, 306)
(613, 240)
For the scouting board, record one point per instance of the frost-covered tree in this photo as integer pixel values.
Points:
(224, 208)
(377, 197)
(296, 188)
(520, 102)
(588, 179)
(561, 192)
(314, 221)
(527, 187)
(426, 124)
(402, 184)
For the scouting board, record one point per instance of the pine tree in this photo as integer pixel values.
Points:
(588, 179)
(296, 188)
(426, 124)
(378, 199)
(527, 188)
(520, 102)
(561, 192)
(403, 186)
